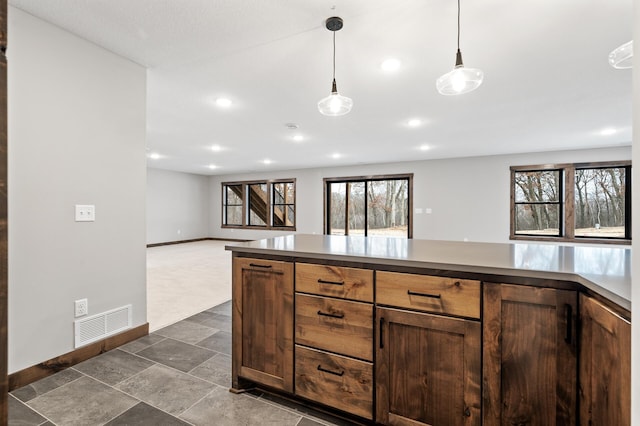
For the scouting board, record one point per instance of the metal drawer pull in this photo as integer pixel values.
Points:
(324, 314)
(321, 281)
(255, 265)
(330, 372)
(413, 293)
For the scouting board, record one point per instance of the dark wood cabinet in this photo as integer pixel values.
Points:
(409, 348)
(605, 365)
(427, 369)
(338, 381)
(263, 323)
(529, 355)
(334, 337)
(335, 325)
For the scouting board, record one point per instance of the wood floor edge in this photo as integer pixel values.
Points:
(169, 243)
(44, 369)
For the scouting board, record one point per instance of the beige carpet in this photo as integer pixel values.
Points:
(184, 279)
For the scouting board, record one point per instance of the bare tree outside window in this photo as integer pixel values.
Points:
(388, 207)
(369, 206)
(538, 202)
(338, 208)
(233, 205)
(600, 202)
(356, 208)
(587, 202)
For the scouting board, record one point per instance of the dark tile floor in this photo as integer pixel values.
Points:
(179, 375)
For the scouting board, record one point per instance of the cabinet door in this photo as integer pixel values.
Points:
(605, 366)
(263, 322)
(427, 369)
(529, 355)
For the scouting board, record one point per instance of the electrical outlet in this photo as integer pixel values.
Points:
(85, 213)
(82, 307)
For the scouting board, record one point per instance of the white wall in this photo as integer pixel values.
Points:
(469, 197)
(76, 136)
(177, 206)
(635, 287)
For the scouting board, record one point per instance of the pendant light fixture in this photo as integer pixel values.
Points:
(622, 57)
(460, 80)
(334, 104)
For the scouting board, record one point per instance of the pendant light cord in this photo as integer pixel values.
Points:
(458, 25)
(334, 54)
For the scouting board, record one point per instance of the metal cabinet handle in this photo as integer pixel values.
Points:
(256, 265)
(325, 314)
(381, 328)
(330, 372)
(321, 281)
(413, 293)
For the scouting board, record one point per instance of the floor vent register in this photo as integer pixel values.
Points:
(97, 327)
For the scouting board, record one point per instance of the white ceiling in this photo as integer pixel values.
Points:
(547, 85)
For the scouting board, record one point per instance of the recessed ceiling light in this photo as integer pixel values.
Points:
(267, 161)
(424, 148)
(390, 65)
(223, 102)
(336, 155)
(154, 156)
(608, 131)
(298, 138)
(216, 148)
(414, 122)
(213, 166)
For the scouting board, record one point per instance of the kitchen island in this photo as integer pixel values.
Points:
(398, 331)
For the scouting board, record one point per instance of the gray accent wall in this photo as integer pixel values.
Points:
(177, 206)
(469, 197)
(76, 136)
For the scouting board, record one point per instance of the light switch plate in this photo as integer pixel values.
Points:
(85, 213)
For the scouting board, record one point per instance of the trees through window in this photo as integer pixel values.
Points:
(376, 205)
(601, 202)
(538, 202)
(572, 202)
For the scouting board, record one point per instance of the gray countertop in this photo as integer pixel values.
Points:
(604, 270)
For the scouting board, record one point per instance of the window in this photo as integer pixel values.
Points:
(232, 202)
(374, 205)
(601, 202)
(283, 208)
(589, 202)
(538, 202)
(259, 204)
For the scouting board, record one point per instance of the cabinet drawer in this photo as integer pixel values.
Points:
(335, 325)
(334, 380)
(335, 281)
(427, 293)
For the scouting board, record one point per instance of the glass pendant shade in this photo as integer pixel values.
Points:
(622, 57)
(335, 104)
(460, 80)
